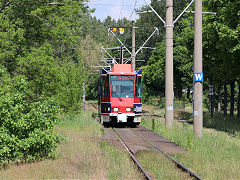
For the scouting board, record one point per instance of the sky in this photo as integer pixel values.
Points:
(117, 9)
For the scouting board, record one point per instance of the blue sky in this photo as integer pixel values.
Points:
(115, 9)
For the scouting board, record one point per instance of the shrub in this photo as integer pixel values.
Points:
(26, 127)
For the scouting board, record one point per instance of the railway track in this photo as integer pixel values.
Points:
(157, 148)
(147, 176)
(179, 165)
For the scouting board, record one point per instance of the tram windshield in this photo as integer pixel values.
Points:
(122, 86)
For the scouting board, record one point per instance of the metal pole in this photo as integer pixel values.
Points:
(169, 65)
(121, 55)
(198, 114)
(155, 12)
(156, 30)
(122, 44)
(133, 46)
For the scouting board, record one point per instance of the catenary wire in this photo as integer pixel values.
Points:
(120, 14)
(133, 9)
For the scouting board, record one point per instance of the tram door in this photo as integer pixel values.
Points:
(138, 90)
(105, 95)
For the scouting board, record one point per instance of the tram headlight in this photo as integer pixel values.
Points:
(128, 109)
(115, 109)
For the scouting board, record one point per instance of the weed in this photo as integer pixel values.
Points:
(102, 131)
(214, 156)
(118, 163)
(153, 124)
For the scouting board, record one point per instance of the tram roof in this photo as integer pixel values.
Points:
(122, 69)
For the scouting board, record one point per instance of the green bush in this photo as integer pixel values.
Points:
(26, 127)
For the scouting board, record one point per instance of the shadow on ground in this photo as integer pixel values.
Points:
(218, 122)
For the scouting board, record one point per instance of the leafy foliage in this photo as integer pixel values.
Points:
(41, 71)
(26, 127)
(220, 47)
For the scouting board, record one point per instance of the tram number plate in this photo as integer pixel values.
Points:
(122, 117)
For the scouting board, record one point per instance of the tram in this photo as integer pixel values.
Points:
(120, 95)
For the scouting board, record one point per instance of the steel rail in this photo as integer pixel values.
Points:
(179, 165)
(132, 156)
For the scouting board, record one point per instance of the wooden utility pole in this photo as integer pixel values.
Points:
(198, 113)
(133, 47)
(169, 95)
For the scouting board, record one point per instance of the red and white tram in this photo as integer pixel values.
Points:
(120, 93)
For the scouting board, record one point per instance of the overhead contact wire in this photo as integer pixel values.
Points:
(133, 9)
(120, 15)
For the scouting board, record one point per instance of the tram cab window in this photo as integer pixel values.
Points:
(122, 86)
(105, 87)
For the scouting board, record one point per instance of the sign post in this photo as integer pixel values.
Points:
(211, 93)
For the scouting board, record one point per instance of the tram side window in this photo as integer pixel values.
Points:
(139, 87)
(136, 89)
(105, 87)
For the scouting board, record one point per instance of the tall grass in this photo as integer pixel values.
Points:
(82, 155)
(159, 166)
(118, 165)
(228, 124)
(231, 125)
(214, 156)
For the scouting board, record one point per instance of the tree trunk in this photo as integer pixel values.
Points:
(214, 101)
(238, 108)
(180, 95)
(219, 98)
(209, 103)
(232, 86)
(225, 99)
(188, 94)
(84, 100)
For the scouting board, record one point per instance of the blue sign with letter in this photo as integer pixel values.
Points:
(198, 77)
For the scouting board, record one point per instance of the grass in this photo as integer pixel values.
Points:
(159, 166)
(153, 109)
(228, 124)
(82, 155)
(214, 156)
(119, 166)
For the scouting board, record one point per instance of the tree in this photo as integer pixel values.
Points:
(221, 45)
(91, 53)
